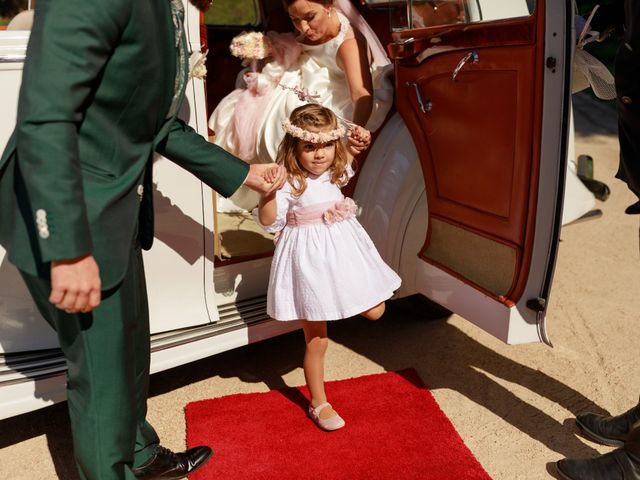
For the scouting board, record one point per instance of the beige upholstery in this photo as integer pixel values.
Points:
(22, 21)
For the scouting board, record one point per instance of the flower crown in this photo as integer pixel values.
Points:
(313, 137)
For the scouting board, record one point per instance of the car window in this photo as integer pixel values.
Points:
(233, 13)
(14, 15)
(411, 14)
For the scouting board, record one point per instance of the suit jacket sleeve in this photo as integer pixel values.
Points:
(213, 165)
(70, 43)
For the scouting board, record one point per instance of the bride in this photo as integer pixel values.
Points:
(335, 59)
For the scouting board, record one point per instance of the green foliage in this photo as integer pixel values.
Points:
(233, 12)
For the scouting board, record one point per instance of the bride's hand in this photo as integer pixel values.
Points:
(359, 139)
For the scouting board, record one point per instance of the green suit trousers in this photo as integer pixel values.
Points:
(108, 356)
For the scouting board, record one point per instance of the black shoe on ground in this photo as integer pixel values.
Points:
(167, 465)
(633, 209)
(612, 431)
(616, 465)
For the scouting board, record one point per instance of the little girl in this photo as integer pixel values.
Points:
(325, 266)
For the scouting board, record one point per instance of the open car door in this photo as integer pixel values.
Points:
(483, 87)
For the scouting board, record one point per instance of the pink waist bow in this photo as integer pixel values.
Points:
(328, 212)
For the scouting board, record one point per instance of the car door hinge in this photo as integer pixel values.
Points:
(539, 305)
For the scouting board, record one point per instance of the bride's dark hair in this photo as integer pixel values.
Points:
(315, 118)
(326, 3)
(202, 5)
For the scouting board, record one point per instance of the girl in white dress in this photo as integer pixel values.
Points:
(344, 68)
(325, 266)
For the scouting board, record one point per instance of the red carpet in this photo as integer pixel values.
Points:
(395, 430)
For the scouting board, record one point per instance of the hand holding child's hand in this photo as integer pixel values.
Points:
(359, 139)
(271, 175)
(265, 178)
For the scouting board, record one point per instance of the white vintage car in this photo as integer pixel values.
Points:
(461, 191)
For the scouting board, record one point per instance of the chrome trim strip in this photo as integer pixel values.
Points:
(19, 58)
(37, 365)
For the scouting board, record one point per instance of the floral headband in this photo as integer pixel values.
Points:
(313, 137)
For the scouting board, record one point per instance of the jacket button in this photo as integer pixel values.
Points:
(626, 100)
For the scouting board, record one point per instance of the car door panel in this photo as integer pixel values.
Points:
(478, 138)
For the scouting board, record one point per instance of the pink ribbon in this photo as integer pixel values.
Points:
(327, 212)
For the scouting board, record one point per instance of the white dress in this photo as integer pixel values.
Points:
(316, 71)
(323, 271)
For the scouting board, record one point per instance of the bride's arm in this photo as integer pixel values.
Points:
(353, 58)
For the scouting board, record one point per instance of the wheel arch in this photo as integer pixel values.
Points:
(392, 197)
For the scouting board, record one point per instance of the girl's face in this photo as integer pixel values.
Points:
(312, 19)
(316, 158)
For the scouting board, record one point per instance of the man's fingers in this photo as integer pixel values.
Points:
(280, 175)
(280, 179)
(82, 299)
(75, 284)
(94, 299)
(68, 302)
(56, 295)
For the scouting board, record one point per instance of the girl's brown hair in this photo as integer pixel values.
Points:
(311, 117)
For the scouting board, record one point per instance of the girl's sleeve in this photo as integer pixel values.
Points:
(282, 207)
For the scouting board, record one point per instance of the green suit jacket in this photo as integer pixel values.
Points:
(97, 86)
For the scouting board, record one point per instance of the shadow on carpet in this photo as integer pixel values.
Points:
(395, 430)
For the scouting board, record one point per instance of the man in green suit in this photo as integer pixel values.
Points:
(102, 83)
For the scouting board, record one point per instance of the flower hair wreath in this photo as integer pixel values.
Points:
(313, 137)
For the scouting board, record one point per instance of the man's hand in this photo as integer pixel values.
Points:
(265, 178)
(75, 284)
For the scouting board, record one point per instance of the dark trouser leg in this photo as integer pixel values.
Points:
(146, 437)
(628, 106)
(107, 353)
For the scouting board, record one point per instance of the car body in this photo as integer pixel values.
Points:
(461, 191)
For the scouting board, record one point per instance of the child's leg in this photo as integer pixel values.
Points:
(315, 335)
(374, 313)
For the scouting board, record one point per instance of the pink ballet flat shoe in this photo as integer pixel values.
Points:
(332, 423)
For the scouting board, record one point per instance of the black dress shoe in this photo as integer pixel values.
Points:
(616, 465)
(633, 209)
(612, 431)
(167, 465)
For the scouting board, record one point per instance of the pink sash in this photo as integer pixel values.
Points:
(327, 212)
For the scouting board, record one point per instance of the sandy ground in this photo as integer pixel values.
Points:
(512, 405)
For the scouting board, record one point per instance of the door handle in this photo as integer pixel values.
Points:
(473, 56)
(424, 106)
